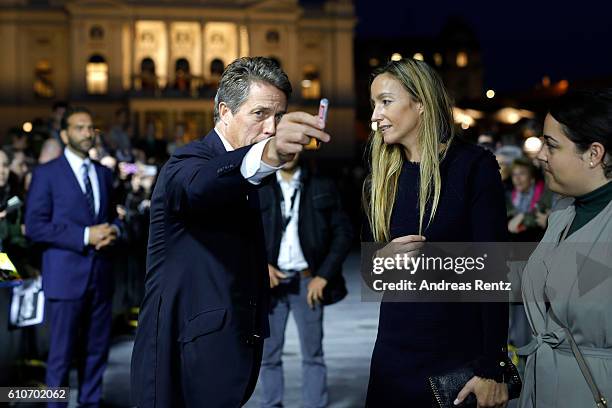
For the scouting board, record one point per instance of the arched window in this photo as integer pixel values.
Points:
(148, 77)
(182, 75)
(311, 84)
(462, 59)
(43, 80)
(97, 75)
(216, 67)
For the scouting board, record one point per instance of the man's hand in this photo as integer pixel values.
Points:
(275, 275)
(489, 393)
(293, 133)
(102, 235)
(315, 291)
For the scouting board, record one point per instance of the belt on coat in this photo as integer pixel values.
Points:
(545, 345)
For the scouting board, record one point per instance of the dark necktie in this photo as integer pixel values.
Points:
(88, 190)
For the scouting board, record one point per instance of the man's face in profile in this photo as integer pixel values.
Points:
(257, 118)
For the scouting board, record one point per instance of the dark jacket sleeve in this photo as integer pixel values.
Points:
(39, 223)
(195, 182)
(341, 237)
(488, 220)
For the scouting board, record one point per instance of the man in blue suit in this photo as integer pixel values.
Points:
(68, 211)
(204, 314)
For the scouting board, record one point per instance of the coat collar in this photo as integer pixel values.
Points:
(213, 143)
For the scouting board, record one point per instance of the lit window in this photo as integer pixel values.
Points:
(97, 75)
(437, 59)
(462, 59)
(311, 85)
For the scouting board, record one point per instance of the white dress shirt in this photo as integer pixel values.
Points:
(290, 255)
(76, 164)
(252, 168)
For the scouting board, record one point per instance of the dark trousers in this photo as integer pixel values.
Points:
(79, 328)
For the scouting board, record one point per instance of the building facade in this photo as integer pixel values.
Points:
(162, 59)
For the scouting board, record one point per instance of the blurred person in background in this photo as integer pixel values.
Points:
(51, 149)
(505, 155)
(425, 184)
(68, 211)
(55, 121)
(566, 285)
(20, 173)
(528, 204)
(118, 138)
(134, 212)
(12, 240)
(308, 236)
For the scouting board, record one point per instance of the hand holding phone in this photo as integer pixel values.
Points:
(323, 106)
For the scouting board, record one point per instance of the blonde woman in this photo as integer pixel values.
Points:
(425, 184)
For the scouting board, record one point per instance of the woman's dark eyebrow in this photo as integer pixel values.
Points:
(547, 137)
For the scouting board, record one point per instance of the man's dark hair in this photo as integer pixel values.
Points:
(59, 104)
(238, 76)
(586, 118)
(73, 110)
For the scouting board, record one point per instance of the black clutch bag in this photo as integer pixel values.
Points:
(446, 387)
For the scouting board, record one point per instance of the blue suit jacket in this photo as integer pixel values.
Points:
(56, 216)
(204, 314)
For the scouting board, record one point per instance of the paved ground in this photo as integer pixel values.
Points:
(350, 331)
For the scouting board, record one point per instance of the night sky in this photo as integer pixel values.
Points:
(521, 41)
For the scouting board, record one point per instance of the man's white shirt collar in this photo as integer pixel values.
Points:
(226, 144)
(294, 178)
(74, 160)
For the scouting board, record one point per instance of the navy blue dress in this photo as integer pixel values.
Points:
(417, 340)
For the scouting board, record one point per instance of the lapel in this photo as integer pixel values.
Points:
(213, 144)
(73, 177)
(76, 187)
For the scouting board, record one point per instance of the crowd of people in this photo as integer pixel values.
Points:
(200, 337)
(134, 167)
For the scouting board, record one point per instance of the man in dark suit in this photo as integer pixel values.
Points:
(308, 236)
(68, 211)
(204, 315)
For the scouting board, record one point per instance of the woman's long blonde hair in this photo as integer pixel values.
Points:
(435, 134)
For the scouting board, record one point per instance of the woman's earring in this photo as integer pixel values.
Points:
(591, 164)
